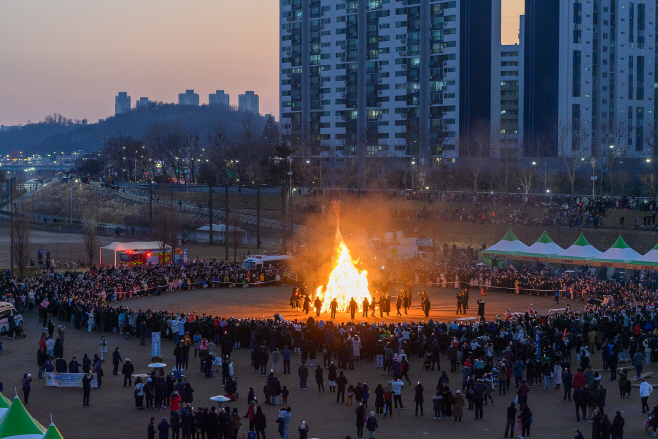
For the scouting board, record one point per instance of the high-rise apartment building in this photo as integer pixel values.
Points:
(507, 91)
(218, 98)
(121, 103)
(367, 80)
(590, 69)
(188, 98)
(143, 102)
(248, 102)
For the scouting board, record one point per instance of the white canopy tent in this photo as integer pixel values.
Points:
(579, 250)
(126, 246)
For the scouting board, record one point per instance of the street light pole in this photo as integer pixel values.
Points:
(71, 206)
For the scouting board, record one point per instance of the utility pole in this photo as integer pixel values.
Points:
(171, 195)
(284, 227)
(150, 207)
(210, 211)
(10, 189)
(226, 223)
(257, 213)
(71, 206)
(290, 203)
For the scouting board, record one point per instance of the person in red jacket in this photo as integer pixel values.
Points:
(174, 402)
(578, 379)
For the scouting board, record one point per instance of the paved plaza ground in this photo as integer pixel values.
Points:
(113, 414)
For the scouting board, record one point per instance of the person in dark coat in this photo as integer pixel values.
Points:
(127, 370)
(606, 427)
(116, 359)
(86, 388)
(341, 382)
(371, 425)
(418, 398)
(526, 421)
(260, 423)
(617, 427)
(163, 428)
(174, 422)
(511, 417)
(303, 430)
(270, 388)
(150, 431)
(86, 364)
(379, 399)
(186, 421)
(596, 425)
(319, 378)
(74, 366)
(360, 420)
(303, 375)
(187, 393)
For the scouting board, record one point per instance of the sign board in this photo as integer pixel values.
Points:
(184, 255)
(55, 379)
(156, 342)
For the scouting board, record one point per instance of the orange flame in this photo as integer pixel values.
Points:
(345, 281)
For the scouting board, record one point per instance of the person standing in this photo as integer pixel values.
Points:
(286, 360)
(580, 401)
(397, 385)
(480, 308)
(27, 379)
(371, 425)
(260, 423)
(360, 420)
(303, 375)
(86, 388)
(341, 382)
(646, 390)
(163, 429)
(127, 370)
(333, 306)
(511, 417)
(353, 307)
(303, 430)
(116, 359)
(418, 398)
(478, 399)
(617, 427)
(319, 378)
(526, 421)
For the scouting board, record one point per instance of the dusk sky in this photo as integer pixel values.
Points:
(73, 56)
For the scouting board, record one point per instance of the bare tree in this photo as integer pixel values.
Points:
(21, 229)
(90, 239)
(167, 228)
(526, 176)
(234, 234)
(572, 149)
(476, 148)
(616, 149)
(649, 182)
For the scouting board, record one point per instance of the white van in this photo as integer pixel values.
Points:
(7, 309)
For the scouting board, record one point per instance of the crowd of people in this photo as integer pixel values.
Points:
(518, 353)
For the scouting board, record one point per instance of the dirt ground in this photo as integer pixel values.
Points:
(113, 406)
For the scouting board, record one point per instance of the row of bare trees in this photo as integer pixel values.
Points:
(169, 152)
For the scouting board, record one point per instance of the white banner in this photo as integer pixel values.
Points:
(67, 379)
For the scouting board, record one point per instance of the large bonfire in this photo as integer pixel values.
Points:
(345, 282)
